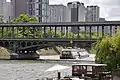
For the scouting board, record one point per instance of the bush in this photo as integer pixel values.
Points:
(108, 51)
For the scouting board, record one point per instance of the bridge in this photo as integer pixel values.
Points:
(26, 38)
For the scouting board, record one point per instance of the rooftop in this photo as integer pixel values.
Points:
(90, 64)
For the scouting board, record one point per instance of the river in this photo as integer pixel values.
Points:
(33, 69)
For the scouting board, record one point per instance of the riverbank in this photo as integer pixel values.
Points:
(50, 51)
(4, 54)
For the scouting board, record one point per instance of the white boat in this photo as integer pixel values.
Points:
(71, 53)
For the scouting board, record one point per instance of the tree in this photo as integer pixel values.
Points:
(108, 51)
(28, 31)
(25, 18)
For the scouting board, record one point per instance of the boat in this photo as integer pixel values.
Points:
(24, 56)
(73, 53)
(91, 71)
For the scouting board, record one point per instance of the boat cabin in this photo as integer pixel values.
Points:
(69, 54)
(89, 70)
(73, 53)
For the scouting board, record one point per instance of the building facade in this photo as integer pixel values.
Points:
(8, 13)
(92, 14)
(38, 8)
(56, 13)
(23, 7)
(5, 11)
(1, 10)
(42, 8)
(19, 7)
(75, 12)
(30, 7)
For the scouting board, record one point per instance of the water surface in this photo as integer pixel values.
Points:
(32, 69)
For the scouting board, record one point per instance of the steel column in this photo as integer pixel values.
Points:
(102, 30)
(78, 36)
(3, 32)
(110, 30)
(44, 32)
(50, 32)
(90, 32)
(55, 31)
(23, 35)
(98, 32)
(66, 31)
(85, 32)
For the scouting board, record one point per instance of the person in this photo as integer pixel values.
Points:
(59, 75)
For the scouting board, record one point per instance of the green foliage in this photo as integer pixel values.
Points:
(28, 31)
(108, 51)
(24, 18)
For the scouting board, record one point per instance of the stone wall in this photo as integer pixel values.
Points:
(50, 51)
(4, 54)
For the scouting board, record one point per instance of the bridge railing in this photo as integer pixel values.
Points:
(66, 31)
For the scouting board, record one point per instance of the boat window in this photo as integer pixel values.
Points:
(74, 53)
(83, 53)
(66, 52)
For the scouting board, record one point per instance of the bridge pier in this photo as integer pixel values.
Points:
(15, 53)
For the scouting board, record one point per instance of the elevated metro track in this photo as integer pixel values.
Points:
(52, 40)
(105, 23)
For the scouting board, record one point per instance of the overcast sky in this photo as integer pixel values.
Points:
(110, 9)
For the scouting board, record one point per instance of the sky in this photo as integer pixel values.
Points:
(8, 0)
(109, 9)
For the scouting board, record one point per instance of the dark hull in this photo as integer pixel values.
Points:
(66, 58)
(24, 57)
